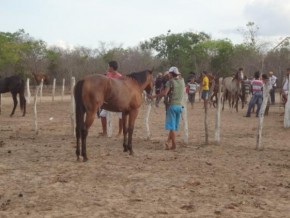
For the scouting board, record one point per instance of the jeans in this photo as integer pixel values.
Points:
(272, 95)
(257, 98)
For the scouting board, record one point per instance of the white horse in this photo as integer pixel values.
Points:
(232, 89)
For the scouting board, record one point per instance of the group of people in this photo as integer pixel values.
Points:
(256, 88)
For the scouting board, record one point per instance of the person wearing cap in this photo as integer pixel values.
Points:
(175, 88)
(205, 88)
(273, 84)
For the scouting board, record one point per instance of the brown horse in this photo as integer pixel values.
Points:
(41, 76)
(14, 84)
(118, 95)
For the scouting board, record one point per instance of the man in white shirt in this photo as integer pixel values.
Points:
(273, 84)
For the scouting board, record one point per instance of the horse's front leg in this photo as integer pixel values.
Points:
(14, 96)
(125, 131)
(132, 117)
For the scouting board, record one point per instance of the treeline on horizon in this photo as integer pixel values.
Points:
(22, 54)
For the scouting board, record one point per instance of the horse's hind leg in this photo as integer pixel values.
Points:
(90, 117)
(125, 131)
(132, 117)
(15, 102)
(78, 136)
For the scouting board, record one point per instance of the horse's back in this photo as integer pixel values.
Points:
(10, 83)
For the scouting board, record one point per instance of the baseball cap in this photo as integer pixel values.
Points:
(174, 70)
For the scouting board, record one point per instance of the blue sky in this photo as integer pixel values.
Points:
(127, 22)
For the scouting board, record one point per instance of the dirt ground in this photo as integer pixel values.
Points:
(40, 177)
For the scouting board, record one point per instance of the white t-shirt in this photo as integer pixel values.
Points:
(286, 85)
(273, 80)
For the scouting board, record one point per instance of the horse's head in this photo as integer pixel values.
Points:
(239, 75)
(149, 82)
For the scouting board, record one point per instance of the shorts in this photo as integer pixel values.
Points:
(205, 94)
(173, 115)
(105, 112)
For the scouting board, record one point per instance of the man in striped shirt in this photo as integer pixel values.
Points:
(257, 97)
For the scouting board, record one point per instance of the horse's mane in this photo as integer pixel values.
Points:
(140, 77)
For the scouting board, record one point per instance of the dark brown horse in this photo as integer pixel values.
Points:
(41, 76)
(118, 95)
(14, 84)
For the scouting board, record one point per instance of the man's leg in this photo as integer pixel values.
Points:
(103, 115)
(120, 127)
(173, 139)
(104, 126)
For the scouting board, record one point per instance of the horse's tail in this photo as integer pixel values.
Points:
(21, 96)
(79, 106)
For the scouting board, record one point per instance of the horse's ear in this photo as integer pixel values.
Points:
(151, 71)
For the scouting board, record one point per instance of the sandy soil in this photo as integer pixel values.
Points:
(40, 177)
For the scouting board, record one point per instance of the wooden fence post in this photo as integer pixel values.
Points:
(73, 82)
(266, 91)
(41, 87)
(53, 89)
(218, 113)
(28, 90)
(0, 102)
(62, 90)
(206, 120)
(185, 118)
(149, 103)
(287, 108)
(35, 109)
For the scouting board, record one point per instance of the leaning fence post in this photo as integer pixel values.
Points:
(62, 90)
(28, 90)
(218, 113)
(35, 109)
(287, 108)
(266, 90)
(73, 82)
(53, 88)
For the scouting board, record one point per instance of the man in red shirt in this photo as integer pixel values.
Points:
(257, 97)
(112, 73)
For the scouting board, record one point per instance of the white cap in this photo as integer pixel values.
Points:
(174, 70)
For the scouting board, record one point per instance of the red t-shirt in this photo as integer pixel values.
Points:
(113, 75)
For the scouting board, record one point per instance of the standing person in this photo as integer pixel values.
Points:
(175, 89)
(158, 87)
(246, 89)
(112, 73)
(205, 88)
(192, 87)
(285, 87)
(273, 83)
(257, 97)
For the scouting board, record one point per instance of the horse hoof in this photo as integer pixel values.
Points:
(85, 159)
(131, 153)
(125, 150)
